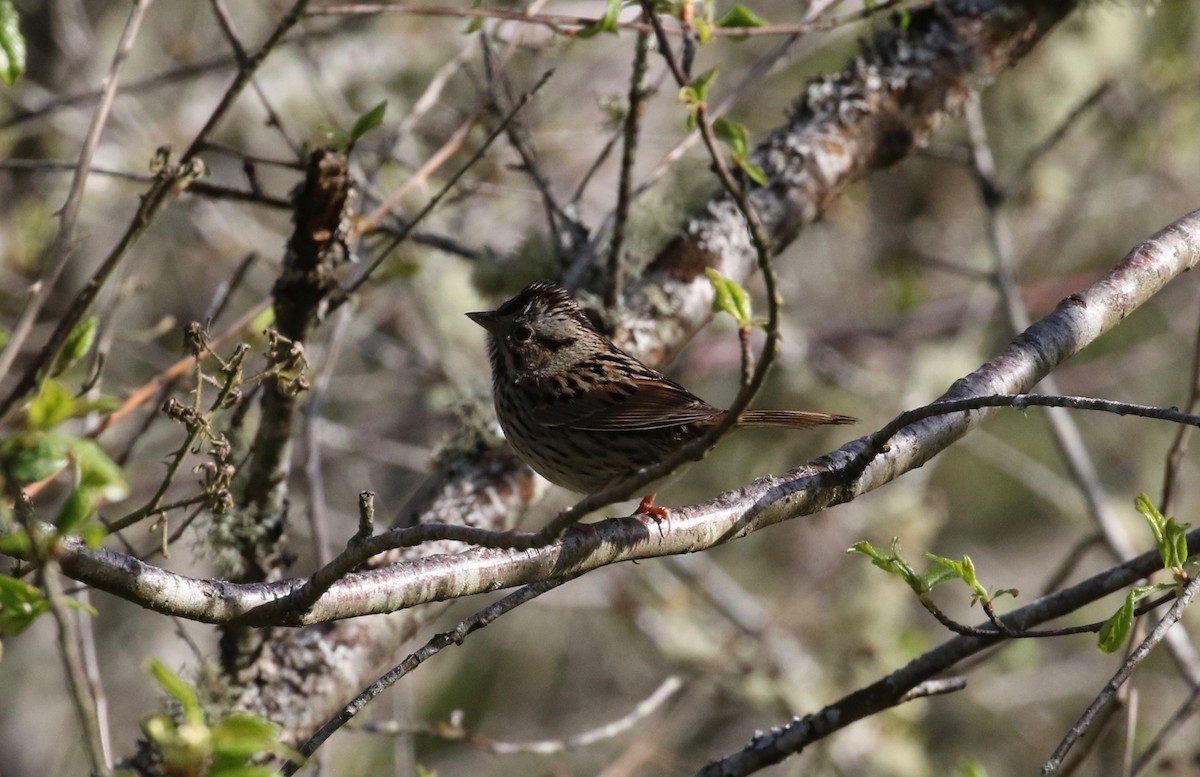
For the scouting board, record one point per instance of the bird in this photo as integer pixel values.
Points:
(583, 413)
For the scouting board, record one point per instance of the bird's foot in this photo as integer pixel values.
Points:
(658, 514)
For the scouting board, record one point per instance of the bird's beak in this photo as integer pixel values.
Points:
(488, 320)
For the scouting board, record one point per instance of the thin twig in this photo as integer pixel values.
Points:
(631, 134)
(418, 178)
(998, 628)
(566, 228)
(61, 248)
(197, 188)
(233, 377)
(363, 276)
(225, 22)
(1022, 401)
(1065, 431)
(150, 388)
(312, 436)
(76, 673)
(95, 678)
(793, 737)
(1187, 710)
(568, 25)
(434, 646)
(164, 187)
(454, 730)
(1179, 446)
(1054, 763)
(1021, 177)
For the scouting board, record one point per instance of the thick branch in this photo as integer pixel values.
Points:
(1078, 320)
(785, 741)
(886, 104)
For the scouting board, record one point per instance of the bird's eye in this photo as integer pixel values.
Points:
(523, 333)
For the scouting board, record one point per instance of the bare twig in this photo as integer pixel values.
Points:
(1065, 431)
(225, 22)
(164, 187)
(432, 647)
(197, 188)
(1187, 710)
(1183, 435)
(76, 671)
(631, 133)
(453, 730)
(62, 246)
(571, 25)
(1021, 177)
(792, 738)
(366, 273)
(1054, 763)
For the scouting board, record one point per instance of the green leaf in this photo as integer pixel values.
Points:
(12, 44)
(1153, 517)
(98, 473)
(740, 16)
(75, 604)
(730, 297)
(891, 562)
(15, 541)
(101, 404)
(263, 321)
(702, 82)
(93, 533)
(606, 23)
(971, 768)
(704, 30)
(334, 135)
(31, 457)
(476, 23)
(1169, 534)
(77, 345)
(20, 605)
(940, 571)
(52, 405)
(1116, 630)
(179, 690)
(695, 95)
(753, 171)
(964, 570)
(242, 770)
(368, 121)
(734, 134)
(77, 509)
(241, 736)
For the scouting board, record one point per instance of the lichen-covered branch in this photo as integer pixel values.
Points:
(841, 476)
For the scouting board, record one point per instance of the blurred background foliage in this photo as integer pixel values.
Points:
(888, 300)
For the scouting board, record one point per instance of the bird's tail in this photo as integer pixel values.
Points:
(792, 419)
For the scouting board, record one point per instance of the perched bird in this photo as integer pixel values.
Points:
(583, 413)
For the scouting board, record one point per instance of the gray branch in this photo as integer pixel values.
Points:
(1077, 321)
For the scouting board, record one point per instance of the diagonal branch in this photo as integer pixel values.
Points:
(893, 689)
(854, 469)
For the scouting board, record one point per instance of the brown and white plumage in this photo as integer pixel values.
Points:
(582, 412)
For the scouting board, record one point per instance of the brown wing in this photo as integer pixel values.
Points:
(636, 404)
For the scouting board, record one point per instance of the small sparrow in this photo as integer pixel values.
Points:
(583, 413)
